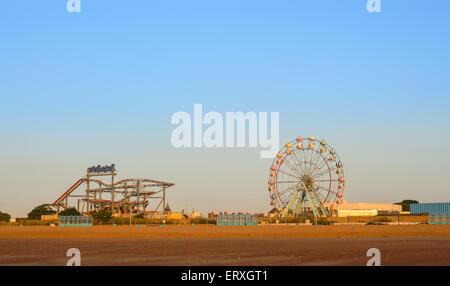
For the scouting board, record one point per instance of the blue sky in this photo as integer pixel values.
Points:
(100, 86)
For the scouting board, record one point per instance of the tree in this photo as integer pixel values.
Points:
(406, 204)
(141, 215)
(70, 212)
(4, 217)
(103, 215)
(38, 211)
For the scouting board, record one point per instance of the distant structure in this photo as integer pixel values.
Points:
(306, 178)
(273, 213)
(194, 214)
(430, 208)
(439, 213)
(366, 209)
(345, 209)
(236, 219)
(135, 196)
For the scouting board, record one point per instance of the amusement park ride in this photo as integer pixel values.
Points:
(306, 179)
(137, 195)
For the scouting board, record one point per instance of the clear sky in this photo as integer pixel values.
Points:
(100, 87)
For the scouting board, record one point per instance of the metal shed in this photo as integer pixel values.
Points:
(430, 208)
(439, 213)
(237, 219)
(75, 221)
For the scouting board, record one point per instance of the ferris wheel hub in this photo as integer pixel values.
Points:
(308, 181)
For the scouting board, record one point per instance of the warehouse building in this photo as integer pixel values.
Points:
(439, 213)
(430, 208)
(346, 209)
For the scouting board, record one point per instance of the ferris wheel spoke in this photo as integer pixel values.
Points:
(310, 159)
(321, 198)
(287, 189)
(302, 156)
(319, 164)
(289, 174)
(317, 167)
(281, 189)
(314, 162)
(283, 182)
(285, 196)
(318, 172)
(291, 167)
(316, 156)
(326, 194)
(299, 162)
(308, 163)
(314, 170)
(305, 166)
(323, 188)
(304, 160)
(324, 172)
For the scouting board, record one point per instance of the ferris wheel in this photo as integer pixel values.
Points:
(306, 178)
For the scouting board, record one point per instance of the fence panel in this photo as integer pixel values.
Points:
(237, 219)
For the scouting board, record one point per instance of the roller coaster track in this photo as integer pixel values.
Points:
(116, 184)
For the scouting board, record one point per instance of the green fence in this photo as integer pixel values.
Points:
(237, 219)
(439, 219)
(75, 221)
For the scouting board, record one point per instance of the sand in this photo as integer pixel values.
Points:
(212, 245)
(212, 231)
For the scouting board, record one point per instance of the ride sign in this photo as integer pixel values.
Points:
(102, 169)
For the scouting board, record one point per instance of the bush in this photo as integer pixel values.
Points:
(299, 219)
(39, 211)
(201, 220)
(382, 219)
(70, 212)
(4, 223)
(36, 222)
(290, 220)
(4, 217)
(323, 221)
(102, 216)
(147, 221)
(141, 215)
(374, 223)
(406, 204)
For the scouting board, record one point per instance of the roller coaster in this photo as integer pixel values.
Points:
(138, 196)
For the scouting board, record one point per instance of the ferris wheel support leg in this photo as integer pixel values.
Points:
(300, 202)
(313, 205)
(322, 209)
(291, 202)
